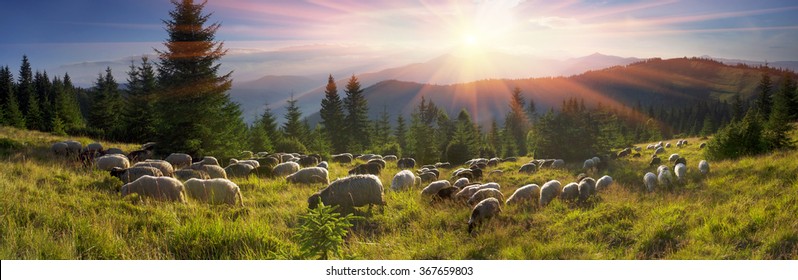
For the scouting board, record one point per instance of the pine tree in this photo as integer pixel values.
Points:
(516, 123)
(401, 132)
(139, 112)
(197, 116)
(11, 115)
(26, 95)
(765, 102)
(263, 133)
(68, 107)
(789, 90)
(382, 129)
(44, 95)
(778, 126)
(737, 107)
(332, 117)
(356, 120)
(292, 128)
(106, 103)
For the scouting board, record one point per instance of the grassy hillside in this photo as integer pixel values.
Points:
(745, 209)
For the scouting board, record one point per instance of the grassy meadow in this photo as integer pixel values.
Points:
(54, 208)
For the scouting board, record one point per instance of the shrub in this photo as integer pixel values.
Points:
(741, 138)
(290, 145)
(457, 152)
(391, 148)
(322, 232)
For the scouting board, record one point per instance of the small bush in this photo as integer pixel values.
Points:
(290, 145)
(322, 232)
(457, 153)
(743, 138)
(392, 148)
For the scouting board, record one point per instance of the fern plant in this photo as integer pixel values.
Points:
(322, 232)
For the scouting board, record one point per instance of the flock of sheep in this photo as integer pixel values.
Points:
(179, 176)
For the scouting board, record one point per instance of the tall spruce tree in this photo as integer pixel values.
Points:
(516, 123)
(382, 128)
(778, 125)
(69, 108)
(139, 112)
(292, 128)
(789, 90)
(332, 117)
(11, 115)
(356, 120)
(26, 96)
(197, 115)
(44, 96)
(106, 103)
(401, 132)
(764, 101)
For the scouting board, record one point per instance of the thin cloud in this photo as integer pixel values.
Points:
(556, 22)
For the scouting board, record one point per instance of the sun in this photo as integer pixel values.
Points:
(470, 39)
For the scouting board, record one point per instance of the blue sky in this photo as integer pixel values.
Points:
(54, 33)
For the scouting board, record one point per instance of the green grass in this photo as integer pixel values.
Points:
(54, 208)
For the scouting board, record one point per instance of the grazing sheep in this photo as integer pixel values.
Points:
(406, 163)
(528, 168)
(673, 157)
(405, 179)
(349, 192)
(60, 149)
(159, 188)
(108, 162)
(141, 155)
(432, 170)
(443, 165)
(570, 192)
(681, 172)
(427, 177)
(665, 177)
(309, 175)
(650, 181)
(465, 173)
(549, 191)
(128, 175)
(380, 162)
(238, 170)
(214, 191)
(434, 187)
(286, 157)
(209, 160)
(73, 147)
(493, 162)
(476, 172)
(624, 152)
(390, 158)
(342, 158)
(324, 165)
(366, 168)
(179, 160)
(446, 193)
(636, 155)
(466, 192)
(483, 211)
(589, 164)
(681, 160)
(596, 160)
(557, 164)
(638, 149)
(510, 159)
(603, 182)
(580, 177)
(587, 188)
(526, 194)
(703, 167)
(285, 168)
(94, 147)
(667, 145)
(251, 162)
(485, 193)
(187, 173)
(655, 161)
(659, 150)
(703, 145)
(462, 182)
(308, 161)
(214, 171)
(114, 151)
(165, 167)
(269, 162)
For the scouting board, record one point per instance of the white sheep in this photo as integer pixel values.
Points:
(214, 191)
(349, 192)
(528, 168)
(108, 162)
(468, 191)
(549, 191)
(589, 164)
(187, 173)
(603, 182)
(485, 193)
(128, 175)
(309, 175)
(665, 177)
(209, 160)
(460, 183)
(404, 180)
(214, 171)
(681, 172)
(285, 168)
(570, 192)
(94, 147)
(73, 147)
(650, 181)
(557, 164)
(60, 149)
(179, 160)
(166, 168)
(238, 170)
(587, 188)
(484, 210)
(433, 187)
(324, 165)
(159, 188)
(526, 194)
(390, 158)
(703, 167)
(673, 157)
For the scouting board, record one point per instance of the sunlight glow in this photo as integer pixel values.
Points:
(470, 39)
